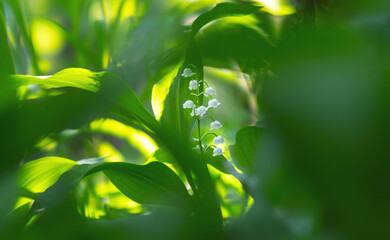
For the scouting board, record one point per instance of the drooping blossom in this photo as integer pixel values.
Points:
(214, 103)
(215, 125)
(189, 104)
(200, 111)
(210, 91)
(217, 151)
(187, 73)
(193, 85)
(218, 140)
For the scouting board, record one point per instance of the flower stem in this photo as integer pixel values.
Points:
(204, 82)
(197, 95)
(200, 140)
(207, 117)
(204, 135)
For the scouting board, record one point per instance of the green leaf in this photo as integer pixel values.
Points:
(242, 41)
(127, 106)
(154, 183)
(244, 151)
(172, 113)
(65, 184)
(222, 164)
(38, 175)
(14, 222)
(160, 92)
(130, 110)
(222, 10)
(6, 63)
(162, 155)
(71, 77)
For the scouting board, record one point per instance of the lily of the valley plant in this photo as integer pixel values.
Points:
(199, 111)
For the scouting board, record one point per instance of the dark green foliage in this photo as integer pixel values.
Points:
(308, 159)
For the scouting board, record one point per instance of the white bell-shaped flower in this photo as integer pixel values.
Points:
(200, 111)
(215, 125)
(214, 103)
(187, 73)
(210, 91)
(193, 85)
(189, 104)
(217, 151)
(218, 140)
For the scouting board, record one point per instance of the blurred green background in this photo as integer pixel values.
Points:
(305, 93)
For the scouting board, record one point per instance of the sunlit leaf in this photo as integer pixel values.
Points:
(70, 77)
(178, 92)
(127, 106)
(163, 155)
(223, 165)
(137, 138)
(130, 110)
(153, 183)
(220, 163)
(40, 174)
(106, 149)
(173, 114)
(222, 10)
(276, 7)
(160, 92)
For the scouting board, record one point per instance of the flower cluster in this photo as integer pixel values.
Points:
(199, 112)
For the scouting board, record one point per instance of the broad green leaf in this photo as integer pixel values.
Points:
(137, 138)
(173, 114)
(127, 106)
(70, 77)
(238, 39)
(222, 10)
(244, 151)
(64, 185)
(154, 183)
(160, 92)
(219, 162)
(38, 175)
(162, 155)
(222, 164)
(130, 110)
(34, 119)
(14, 221)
